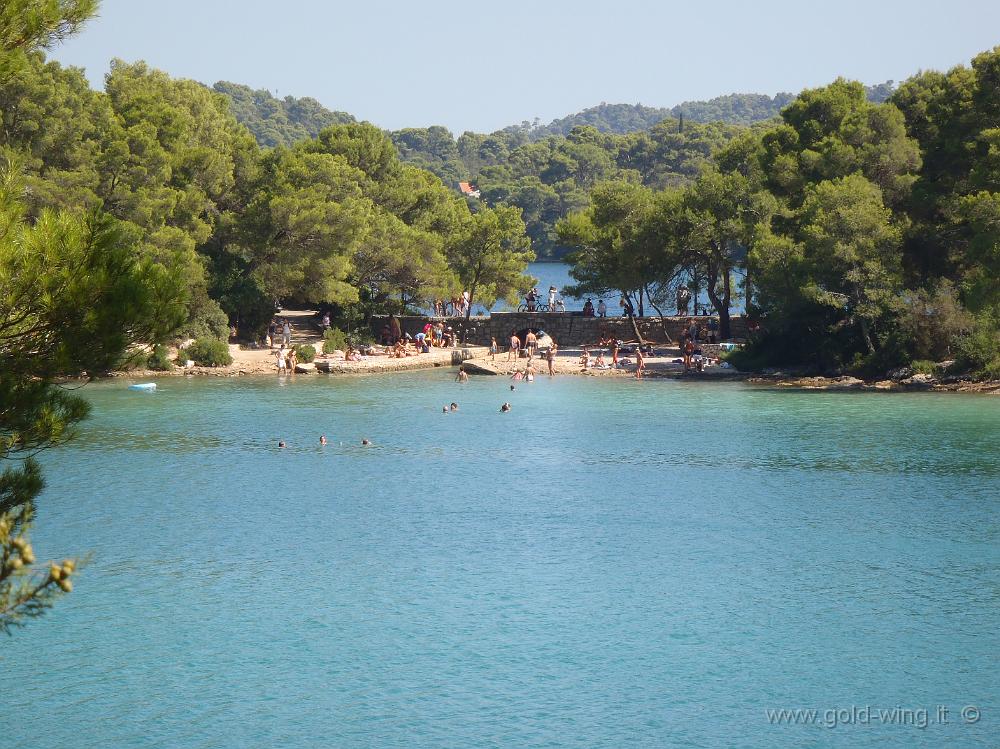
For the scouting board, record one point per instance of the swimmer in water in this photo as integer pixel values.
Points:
(281, 444)
(463, 376)
(454, 406)
(322, 439)
(444, 409)
(366, 442)
(512, 388)
(505, 408)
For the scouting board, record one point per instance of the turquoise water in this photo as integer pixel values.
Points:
(612, 564)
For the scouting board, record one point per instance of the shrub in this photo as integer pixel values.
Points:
(159, 359)
(930, 321)
(334, 340)
(924, 366)
(978, 352)
(207, 352)
(305, 353)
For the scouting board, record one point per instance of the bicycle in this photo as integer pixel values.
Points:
(539, 307)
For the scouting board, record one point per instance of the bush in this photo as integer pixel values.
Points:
(978, 352)
(334, 340)
(207, 352)
(305, 353)
(159, 359)
(924, 366)
(930, 321)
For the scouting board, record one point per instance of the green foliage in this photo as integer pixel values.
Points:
(490, 256)
(924, 366)
(305, 353)
(334, 340)
(207, 352)
(978, 352)
(159, 359)
(278, 122)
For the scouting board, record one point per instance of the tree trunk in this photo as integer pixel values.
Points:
(721, 304)
(635, 326)
(468, 311)
(640, 302)
(663, 323)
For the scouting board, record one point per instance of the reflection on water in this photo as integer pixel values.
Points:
(613, 563)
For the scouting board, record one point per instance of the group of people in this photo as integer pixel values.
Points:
(457, 306)
(286, 358)
(433, 335)
(279, 331)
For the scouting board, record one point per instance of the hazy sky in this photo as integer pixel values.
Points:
(477, 65)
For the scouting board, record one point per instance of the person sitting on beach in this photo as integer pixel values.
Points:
(599, 361)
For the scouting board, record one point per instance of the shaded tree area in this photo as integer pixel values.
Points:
(862, 235)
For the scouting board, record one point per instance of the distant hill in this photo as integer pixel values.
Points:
(733, 109)
(278, 122)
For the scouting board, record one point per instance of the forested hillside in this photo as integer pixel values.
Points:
(278, 122)
(333, 220)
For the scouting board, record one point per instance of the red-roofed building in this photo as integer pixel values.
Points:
(468, 189)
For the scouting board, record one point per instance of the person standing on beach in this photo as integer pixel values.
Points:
(602, 308)
(286, 334)
(272, 333)
(614, 354)
(493, 349)
(282, 353)
(640, 362)
(515, 345)
(530, 343)
(550, 357)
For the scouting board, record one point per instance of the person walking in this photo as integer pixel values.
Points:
(286, 334)
(272, 333)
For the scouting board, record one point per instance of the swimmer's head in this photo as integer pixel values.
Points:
(366, 442)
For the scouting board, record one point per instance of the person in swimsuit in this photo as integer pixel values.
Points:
(463, 376)
(493, 349)
(515, 345)
(505, 408)
(550, 357)
(640, 362)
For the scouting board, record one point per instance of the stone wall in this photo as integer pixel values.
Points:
(567, 328)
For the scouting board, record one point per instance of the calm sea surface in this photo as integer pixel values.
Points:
(612, 564)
